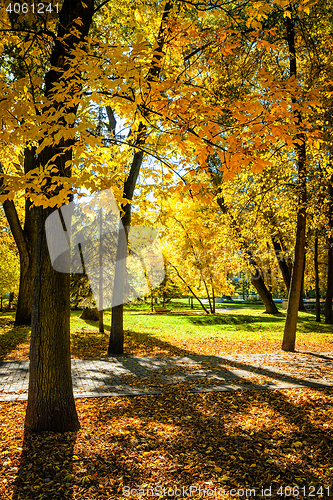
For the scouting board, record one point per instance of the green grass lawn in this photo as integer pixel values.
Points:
(235, 328)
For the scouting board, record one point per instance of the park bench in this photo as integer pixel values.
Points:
(161, 309)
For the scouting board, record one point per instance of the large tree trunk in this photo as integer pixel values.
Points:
(51, 405)
(289, 337)
(316, 267)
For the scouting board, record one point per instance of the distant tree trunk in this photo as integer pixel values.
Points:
(284, 266)
(213, 298)
(191, 290)
(51, 405)
(101, 321)
(11, 300)
(289, 337)
(256, 275)
(259, 284)
(301, 305)
(25, 239)
(100, 286)
(208, 295)
(263, 292)
(116, 341)
(329, 287)
(317, 280)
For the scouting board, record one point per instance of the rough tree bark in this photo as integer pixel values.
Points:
(289, 337)
(51, 405)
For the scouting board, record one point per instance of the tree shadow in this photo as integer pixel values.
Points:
(307, 325)
(321, 356)
(46, 467)
(196, 373)
(11, 339)
(233, 319)
(95, 345)
(139, 343)
(206, 437)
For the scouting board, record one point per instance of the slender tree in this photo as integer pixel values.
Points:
(289, 337)
(316, 267)
(116, 341)
(25, 239)
(329, 286)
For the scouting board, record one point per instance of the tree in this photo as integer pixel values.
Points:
(9, 262)
(50, 400)
(116, 341)
(317, 280)
(329, 287)
(25, 239)
(289, 336)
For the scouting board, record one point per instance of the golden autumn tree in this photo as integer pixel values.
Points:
(154, 68)
(44, 111)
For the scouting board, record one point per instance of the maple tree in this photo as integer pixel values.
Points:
(50, 402)
(156, 68)
(193, 248)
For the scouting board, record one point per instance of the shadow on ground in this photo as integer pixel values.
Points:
(236, 319)
(239, 440)
(11, 336)
(46, 467)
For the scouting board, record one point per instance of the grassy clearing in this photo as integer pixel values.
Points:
(233, 329)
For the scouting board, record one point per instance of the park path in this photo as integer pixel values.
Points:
(134, 375)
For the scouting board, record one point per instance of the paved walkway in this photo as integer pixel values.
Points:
(130, 376)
